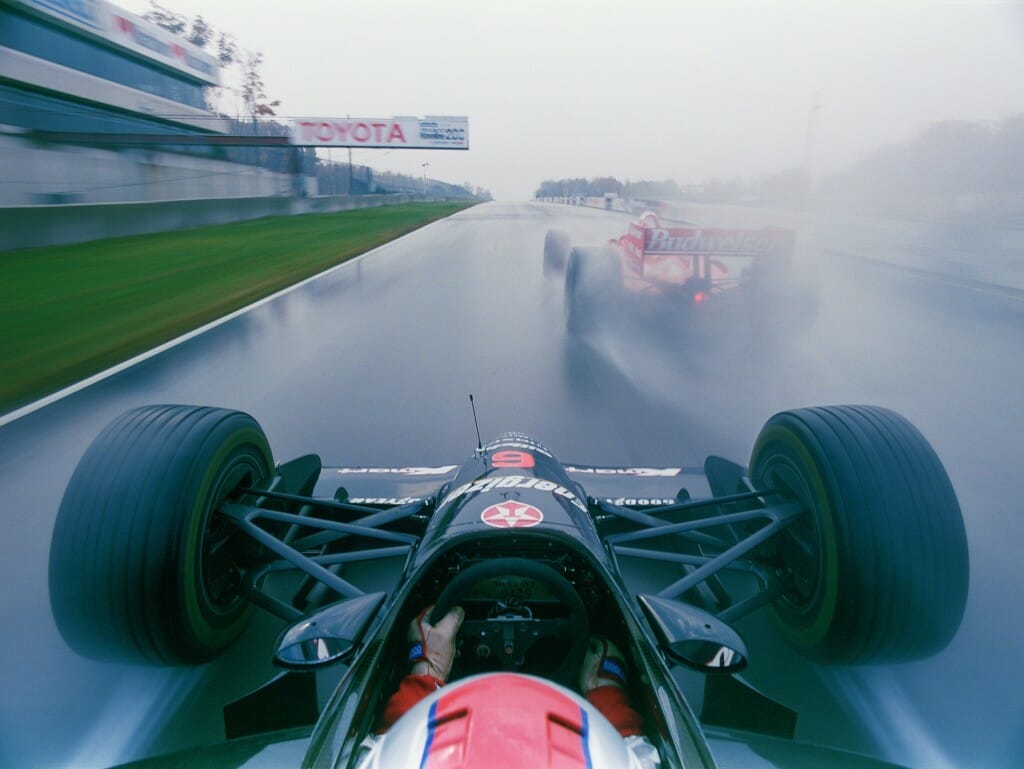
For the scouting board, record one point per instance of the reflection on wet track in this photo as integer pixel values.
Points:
(371, 363)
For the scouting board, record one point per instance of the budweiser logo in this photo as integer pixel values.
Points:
(660, 240)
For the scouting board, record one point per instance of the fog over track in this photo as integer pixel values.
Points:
(371, 364)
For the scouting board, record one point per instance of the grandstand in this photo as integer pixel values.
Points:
(88, 67)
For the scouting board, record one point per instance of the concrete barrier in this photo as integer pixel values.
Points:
(33, 226)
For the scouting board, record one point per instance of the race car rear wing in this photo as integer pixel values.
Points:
(717, 242)
(649, 242)
(653, 238)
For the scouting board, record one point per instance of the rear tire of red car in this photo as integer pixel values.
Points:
(141, 565)
(593, 284)
(877, 571)
(557, 245)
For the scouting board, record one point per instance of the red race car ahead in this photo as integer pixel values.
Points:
(686, 266)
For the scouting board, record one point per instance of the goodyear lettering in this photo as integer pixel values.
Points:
(382, 500)
(641, 472)
(640, 502)
(442, 470)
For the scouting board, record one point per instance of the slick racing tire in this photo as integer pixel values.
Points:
(593, 284)
(877, 569)
(556, 252)
(141, 566)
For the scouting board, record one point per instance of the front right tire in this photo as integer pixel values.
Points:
(877, 569)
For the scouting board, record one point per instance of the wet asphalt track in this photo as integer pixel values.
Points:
(371, 364)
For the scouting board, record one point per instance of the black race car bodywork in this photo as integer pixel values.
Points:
(176, 523)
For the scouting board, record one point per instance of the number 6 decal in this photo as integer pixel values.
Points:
(519, 459)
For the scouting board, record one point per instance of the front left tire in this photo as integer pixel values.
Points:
(142, 566)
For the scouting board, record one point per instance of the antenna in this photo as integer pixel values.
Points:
(479, 443)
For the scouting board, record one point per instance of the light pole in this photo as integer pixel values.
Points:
(424, 167)
(809, 136)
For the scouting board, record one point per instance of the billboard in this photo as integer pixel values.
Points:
(429, 133)
(107, 21)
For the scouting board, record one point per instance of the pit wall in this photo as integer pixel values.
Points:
(44, 174)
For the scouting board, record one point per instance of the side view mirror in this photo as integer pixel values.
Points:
(694, 637)
(328, 635)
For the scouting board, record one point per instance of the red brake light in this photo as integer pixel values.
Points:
(699, 297)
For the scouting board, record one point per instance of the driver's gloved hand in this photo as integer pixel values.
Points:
(433, 646)
(603, 665)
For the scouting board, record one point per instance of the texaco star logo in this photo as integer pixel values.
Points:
(511, 515)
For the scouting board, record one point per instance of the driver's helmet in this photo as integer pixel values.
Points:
(649, 219)
(500, 720)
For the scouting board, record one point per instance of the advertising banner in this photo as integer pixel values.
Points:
(691, 241)
(429, 133)
(127, 30)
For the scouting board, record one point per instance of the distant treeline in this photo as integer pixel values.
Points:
(663, 190)
(952, 165)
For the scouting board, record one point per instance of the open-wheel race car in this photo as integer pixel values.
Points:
(177, 523)
(682, 271)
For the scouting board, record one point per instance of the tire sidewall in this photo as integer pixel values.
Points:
(210, 628)
(779, 450)
(556, 251)
(888, 537)
(574, 313)
(593, 285)
(126, 572)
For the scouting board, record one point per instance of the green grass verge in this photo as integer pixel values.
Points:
(67, 312)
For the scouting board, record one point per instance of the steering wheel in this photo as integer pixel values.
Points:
(508, 637)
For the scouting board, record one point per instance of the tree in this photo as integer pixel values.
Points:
(167, 19)
(253, 93)
(227, 51)
(199, 33)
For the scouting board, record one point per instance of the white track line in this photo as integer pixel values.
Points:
(71, 389)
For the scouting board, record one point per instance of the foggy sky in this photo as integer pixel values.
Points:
(638, 90)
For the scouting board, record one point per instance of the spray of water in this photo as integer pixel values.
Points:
(888, 713)
(139, 706)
